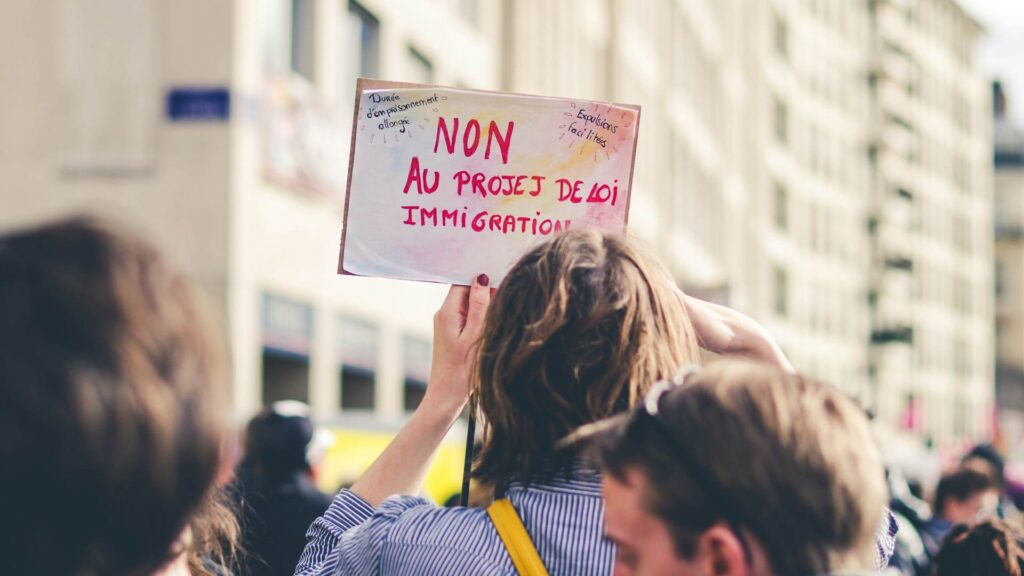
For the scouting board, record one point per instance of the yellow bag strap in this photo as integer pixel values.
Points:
(517, 541)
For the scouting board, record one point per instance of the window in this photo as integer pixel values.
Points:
(961, 360)
(961, 233)
(368, 33)
(287, 337)
(420, 69)
(357, 352)
(781, 122)
(285, 376)
(303, 37)
(959, 417)
(781, 207)
(896, 262)
(357, 388)
(815, 221)
(781, 37)
(781, 283)
(357, 52)
(274, 35)
(469, 10)
(416, 353)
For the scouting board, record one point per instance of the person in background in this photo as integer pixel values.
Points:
(961, 497)
(911, 513)
(989, 548)
(113, 410)
(276, 489)
(986, 458)
(741, 469)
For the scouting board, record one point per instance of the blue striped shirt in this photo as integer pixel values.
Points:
(408, 535)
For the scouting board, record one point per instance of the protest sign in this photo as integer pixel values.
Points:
(448, 183)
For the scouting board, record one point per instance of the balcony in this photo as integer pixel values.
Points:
(1009, 230)
(882, 336)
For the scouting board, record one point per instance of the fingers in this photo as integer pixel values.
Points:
(479, 298)
(448, 314)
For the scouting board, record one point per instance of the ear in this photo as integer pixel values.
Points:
(721, 552)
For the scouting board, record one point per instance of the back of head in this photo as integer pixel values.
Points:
(279, 441)
(788, 460)
(110, 425)
(960, 485)
(989, 548)
(578, 329)
(985, 458)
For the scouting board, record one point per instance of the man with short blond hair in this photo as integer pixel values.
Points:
(742, 469)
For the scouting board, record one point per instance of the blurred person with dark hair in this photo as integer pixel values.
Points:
(276, 489)
(989, 548)
(961, 497)
(986, 458)
(741, 469)
(113, 412)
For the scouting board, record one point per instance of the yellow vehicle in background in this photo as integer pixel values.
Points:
(358, 444)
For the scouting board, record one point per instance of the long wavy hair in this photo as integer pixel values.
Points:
(577, 331)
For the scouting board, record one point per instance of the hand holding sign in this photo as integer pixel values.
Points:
(458, 327)
(445, 183)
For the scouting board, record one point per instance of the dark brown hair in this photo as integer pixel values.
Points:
(112, 397)
(784, 458)
(960, 485)
(988, 548)
(579, 328)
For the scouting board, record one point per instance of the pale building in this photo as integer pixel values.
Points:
(1009, 265)
(807, 251)
(248, 200)
(789, 153)
(821, 165)
(930, 225)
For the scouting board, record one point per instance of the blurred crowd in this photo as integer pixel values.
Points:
(969, 517)
(607, 445)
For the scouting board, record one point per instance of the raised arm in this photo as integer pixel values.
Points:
(725, 331)
(458, 325)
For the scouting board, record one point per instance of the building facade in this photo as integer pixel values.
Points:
(823, 166)
(930, 297)
(248, 201)
(1009, 265)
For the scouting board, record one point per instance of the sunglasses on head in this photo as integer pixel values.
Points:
(650, 410)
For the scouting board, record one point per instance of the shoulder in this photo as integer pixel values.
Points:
(418, 521)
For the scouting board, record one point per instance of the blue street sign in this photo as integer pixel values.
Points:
(198, 104)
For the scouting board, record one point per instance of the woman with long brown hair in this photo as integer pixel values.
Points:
(577, 331)
(112, 410)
